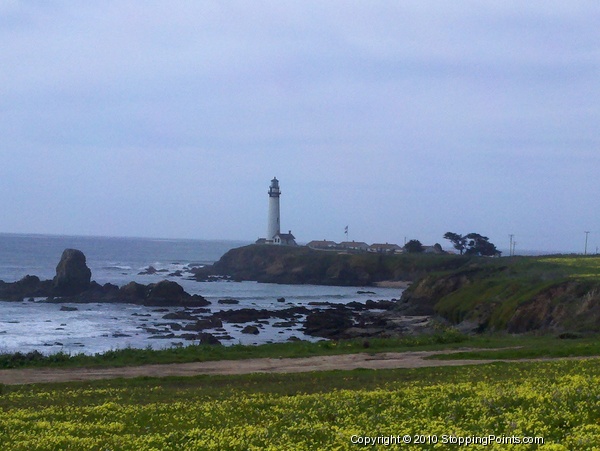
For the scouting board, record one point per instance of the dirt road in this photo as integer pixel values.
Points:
(266, 365)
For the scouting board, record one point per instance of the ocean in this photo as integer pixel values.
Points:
(93, 328)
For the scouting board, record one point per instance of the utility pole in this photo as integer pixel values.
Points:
(586, 240)
(514, 244)
(510, 247)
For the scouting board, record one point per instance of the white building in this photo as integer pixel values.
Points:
(273, 222)
(274, 235)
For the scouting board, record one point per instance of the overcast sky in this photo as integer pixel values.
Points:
(396, 118)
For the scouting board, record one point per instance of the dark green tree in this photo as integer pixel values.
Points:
(413, 247)
(472, 244)
(480, 245)
(459, 241)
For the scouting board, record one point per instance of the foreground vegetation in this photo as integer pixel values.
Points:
(497, 346)
(203, 353)
(557, 401)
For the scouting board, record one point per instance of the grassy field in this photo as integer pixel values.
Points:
(202, 353)
(556, 401)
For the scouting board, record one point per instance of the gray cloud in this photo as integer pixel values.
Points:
(400, 119)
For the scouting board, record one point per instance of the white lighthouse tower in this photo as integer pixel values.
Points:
(274, 235)
(273, 224)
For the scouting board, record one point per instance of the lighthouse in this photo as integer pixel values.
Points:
(273, 224)
(274, 235)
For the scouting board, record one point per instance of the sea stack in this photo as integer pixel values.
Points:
(72, 274)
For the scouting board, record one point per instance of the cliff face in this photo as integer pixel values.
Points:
(302, 265)
(494, 297)
(569, 306)
(291, 265)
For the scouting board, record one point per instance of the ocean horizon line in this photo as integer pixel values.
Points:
(505, 252)
(126, 237)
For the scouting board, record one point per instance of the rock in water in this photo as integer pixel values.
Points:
(72, 274)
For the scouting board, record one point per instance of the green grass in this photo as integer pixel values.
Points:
(527, 347)
(582, 267)
(520, 346)
(201, 353)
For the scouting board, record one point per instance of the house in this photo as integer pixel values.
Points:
(323, 244)
(435, 249)
(386, 248)
(285, 239)
(354, 245)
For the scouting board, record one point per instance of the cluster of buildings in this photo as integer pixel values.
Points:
(354, 246)
(360, 246)
(275, 237)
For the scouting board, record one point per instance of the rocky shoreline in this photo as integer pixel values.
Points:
(73, 284)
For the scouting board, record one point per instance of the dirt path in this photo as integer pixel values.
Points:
(266, 365)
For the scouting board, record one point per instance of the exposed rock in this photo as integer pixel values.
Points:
(328, 323)
(228, 301)
(175, 326)
(292, 312)
(72, 274)
(469, 327)
(66, 308)
(162, 293)
(132, 292)
(210, 323)
(284, 324)
(253, 330)
(180, 315)
(380, 305)
(73, 283)
(244, 315)
(27, 287)
(148, 271)
(162, 337)
(165, 292)
(204, 338)
(567, 307)
(355, 305)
